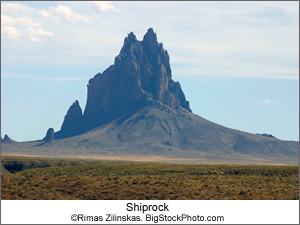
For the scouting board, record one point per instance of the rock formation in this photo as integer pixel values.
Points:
(72, 124)
(135, 108)
(49, 135)
(8, 140)
(141, 76)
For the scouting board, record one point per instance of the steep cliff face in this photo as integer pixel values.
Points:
(141, 76)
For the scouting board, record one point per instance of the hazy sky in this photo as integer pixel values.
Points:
(237, 62)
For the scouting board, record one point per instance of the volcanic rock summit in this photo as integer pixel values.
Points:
(141, 76)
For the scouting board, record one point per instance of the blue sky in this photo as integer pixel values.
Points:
(237, 62)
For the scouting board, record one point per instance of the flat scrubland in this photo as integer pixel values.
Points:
(105, 180)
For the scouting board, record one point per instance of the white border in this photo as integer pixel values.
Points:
(233, 211)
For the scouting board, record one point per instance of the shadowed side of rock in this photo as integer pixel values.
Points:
(73, 122)
(49, 135)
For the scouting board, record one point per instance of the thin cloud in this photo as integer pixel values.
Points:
(15, 8)
(267, 101)
(39, 32)
(10, 75)
(45, 13)
(35, 34)
(64, 11)
(104, 6)
(35, 39)
(23, 21)
(10, 32)
(24, 76)
(70, 16)
(60, 78)
(18, 76)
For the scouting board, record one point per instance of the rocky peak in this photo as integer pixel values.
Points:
(141, 76)
(49, 135)
(74, 113)
(131, 48)
(8, 140)
(72, 121)
(150, 43)
(131, 37)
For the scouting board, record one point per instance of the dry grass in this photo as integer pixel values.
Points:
(128, 180)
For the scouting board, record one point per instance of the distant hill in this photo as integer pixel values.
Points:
(7, 140)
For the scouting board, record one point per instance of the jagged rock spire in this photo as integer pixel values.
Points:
(73, 115)
(72, 122)
(140, 77)
(150, 42)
